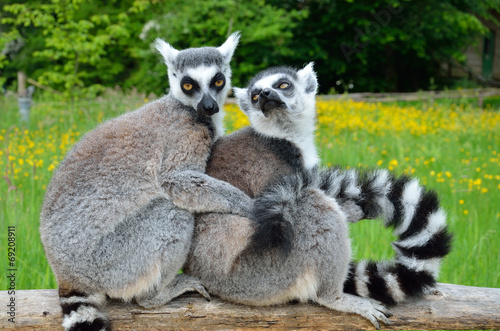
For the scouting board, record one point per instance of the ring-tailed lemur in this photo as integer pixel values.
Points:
(117, 216)
(303, 212)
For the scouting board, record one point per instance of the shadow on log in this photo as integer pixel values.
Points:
(447, 307)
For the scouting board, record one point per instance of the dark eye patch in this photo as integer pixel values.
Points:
(218, 82)
(282, 84)
(185, 82)
(254, 96)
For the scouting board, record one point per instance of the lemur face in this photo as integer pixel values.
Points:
(200, 77)
(278, 97)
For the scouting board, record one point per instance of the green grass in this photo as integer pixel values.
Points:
(453, 148)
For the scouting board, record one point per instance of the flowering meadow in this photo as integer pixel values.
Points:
(452, 147)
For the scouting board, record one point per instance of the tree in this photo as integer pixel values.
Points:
(385, 45)
(72, 41)
(380, 45)
(266, 32)
(82, 46)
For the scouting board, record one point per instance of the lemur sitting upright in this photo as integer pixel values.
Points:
(117, 217)
(304, 212)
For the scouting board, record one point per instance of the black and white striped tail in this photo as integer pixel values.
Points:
(83, 312)
(369, 190)
(418, 222)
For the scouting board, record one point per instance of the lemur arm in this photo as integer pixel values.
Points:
(199, 193)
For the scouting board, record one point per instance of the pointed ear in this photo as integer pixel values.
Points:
(242, 95)
(168, 52)
(227, 49)
(308, 78)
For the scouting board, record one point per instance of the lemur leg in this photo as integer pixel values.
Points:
(154, 243)
(369, 309)
(218, 240)
(181, 284)
(200, 193)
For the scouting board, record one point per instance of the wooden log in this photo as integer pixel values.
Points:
(447, 307)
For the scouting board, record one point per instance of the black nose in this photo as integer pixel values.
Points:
(207, 106)
(266, 92)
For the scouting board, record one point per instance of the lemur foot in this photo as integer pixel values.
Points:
(180, 285)
(370, 309)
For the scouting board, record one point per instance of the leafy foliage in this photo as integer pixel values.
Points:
(265, 30)
(385, 45)
(377, 45)
(76, 38)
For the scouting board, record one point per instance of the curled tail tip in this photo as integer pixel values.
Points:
(273, 233)
(83, 312)
(274, 212)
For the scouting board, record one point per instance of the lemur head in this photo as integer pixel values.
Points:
(200, 77)
(280, 102)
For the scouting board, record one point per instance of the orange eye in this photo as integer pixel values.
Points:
(219, 83)
(284, 85)
(187, 86)
(255, 97)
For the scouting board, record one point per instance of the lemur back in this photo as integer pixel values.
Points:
(268, 159)
(117, 216)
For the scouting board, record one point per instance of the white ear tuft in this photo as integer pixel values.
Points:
(227, 49)
(308, 76)
(242, 95)
(168, 52)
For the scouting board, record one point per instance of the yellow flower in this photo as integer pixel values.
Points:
(466, 212)
(461, 202)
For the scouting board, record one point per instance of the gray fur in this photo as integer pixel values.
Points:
(314, 270)
(318, 263)
(266, 164)
(117, 216)
(192, 58)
